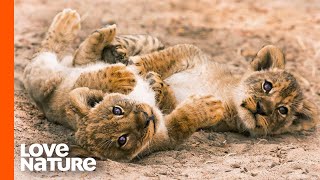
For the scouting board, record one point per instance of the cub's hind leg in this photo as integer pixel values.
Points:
(44, 73)
(62, 32)
(103, 45)
(91, 48)
(165, 97)
(124, 46)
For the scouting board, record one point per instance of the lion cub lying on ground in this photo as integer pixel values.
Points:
(113, 110)
(265, 100)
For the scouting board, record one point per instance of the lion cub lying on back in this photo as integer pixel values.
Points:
(113, 110)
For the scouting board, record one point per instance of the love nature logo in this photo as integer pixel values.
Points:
(34, 159)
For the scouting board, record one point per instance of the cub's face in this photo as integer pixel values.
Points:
(115, 127)
(269, 99)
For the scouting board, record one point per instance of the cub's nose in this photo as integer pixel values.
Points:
(260, 109)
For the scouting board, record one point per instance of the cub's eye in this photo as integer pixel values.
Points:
(283, 110)
(116, 110)
(267, 86)
(122, 140)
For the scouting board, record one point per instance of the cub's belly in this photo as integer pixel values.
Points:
(191, 82)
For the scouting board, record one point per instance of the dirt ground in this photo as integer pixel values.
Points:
(231, 32)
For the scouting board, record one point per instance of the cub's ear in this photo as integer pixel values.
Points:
(269, 57)
(83, 99)
(306, 118)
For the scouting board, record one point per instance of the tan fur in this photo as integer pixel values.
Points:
(124, 46)
(90, 49)
(248, 107)
(56, 40)
(164, 95)
(104, 46)
(169, 61)
(109, 79)
(105, 103)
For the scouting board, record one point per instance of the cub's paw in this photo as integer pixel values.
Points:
(115, 53)
(120, 79)
(113, 79)
(99, 38)
(137, 63)
(62, 31)
(91, 49)
(156, 83)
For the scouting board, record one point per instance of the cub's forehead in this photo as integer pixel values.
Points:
(120, 99)
(288, 86)
(275, 77)
(285, 85)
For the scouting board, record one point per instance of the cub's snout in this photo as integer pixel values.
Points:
(144, 115)
(258, 107)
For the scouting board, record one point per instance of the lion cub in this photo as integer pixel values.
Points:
(113, 110)
(267, 99)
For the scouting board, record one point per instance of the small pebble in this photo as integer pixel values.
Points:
(236, 165)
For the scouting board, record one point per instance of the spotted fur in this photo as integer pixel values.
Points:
(124, 46)
(249, 108)
(102, 102)
(104, 46)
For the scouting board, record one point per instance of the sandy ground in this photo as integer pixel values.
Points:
(231, 32)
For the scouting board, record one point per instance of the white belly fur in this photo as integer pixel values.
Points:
(142, 92)
(190, 82)
(205, 79)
